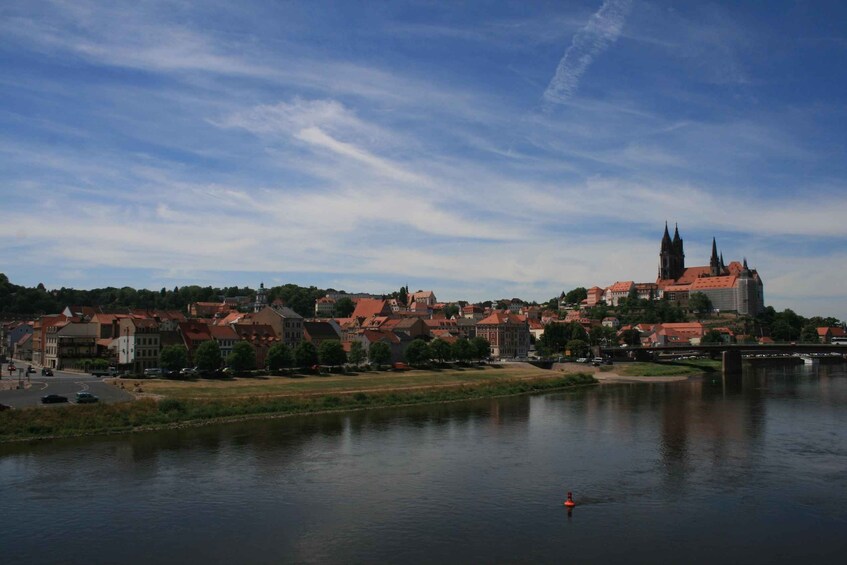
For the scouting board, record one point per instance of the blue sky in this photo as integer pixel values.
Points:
(480, 149)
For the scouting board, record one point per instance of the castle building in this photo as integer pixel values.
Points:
(731, 288)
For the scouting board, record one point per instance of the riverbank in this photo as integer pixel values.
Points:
(644, 372)
(188, 407)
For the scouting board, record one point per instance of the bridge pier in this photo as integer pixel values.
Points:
(731, 360)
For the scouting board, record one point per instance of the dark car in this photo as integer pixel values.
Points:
(4, 407)
(45, 372)
(85, 398)
(30, 370)
(53, 399)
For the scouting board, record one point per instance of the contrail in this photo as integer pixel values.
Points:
(602, 30)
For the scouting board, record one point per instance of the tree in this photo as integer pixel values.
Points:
(173, 357)
(576, 296)
(417, 353)
(379, 353)
(306, 355)
(208, 356)
(578, 347)
(403, 296)
(331, 352)
(631, 337)
(555, 337)
(357, 353)
(451, 310)
(700, 303)
(462, 350)
(440, 350)
(809, 334)
(344, 307)
(242, 358)
(712, 337)
(279, 357)
(481, 347)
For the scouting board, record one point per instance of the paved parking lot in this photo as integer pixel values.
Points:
(63, 383)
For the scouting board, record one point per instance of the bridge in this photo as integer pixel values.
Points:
(731, 353)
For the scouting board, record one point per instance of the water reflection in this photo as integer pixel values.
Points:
(656, 465)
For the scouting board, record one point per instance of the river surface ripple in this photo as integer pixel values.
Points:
(689, 472)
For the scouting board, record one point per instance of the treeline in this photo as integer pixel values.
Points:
(21, 300)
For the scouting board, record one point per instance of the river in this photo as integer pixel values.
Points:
(688, 472)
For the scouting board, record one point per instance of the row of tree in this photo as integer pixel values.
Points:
(208, 356)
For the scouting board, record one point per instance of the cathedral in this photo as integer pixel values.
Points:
(731, 288)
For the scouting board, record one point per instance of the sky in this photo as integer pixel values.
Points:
(482, 150)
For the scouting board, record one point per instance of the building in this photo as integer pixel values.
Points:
(137, 343)
(324, 307)
(731, 288)
(69, 344)
(226, 338)
(287, 323)
(507, 333)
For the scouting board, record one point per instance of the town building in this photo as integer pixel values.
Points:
(507, 333)
(287, 323)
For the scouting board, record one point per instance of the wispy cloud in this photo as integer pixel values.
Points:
(602, 30)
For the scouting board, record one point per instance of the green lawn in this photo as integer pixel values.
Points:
(668, 368)
(364, 381)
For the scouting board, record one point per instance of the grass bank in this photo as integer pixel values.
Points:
(668, 368)
(149, 414)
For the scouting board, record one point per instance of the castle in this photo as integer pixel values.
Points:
(734, 287)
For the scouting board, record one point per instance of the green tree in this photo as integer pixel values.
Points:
(379, 353)
(306, 355)
(700, 303)
(578, 347)
(481, 347)
(712, 337)
(208, 356)
(451, 310)
(403, 296)
(440, 350)
(279, 357)
(576, 295)
(242, 358)
(344, 307)
(809, 334)
(357, 353)
(462, 350)
(331, 352)
(631, 337)
(417, 353)
(173, 357)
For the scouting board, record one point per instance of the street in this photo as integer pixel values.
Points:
(63, 383)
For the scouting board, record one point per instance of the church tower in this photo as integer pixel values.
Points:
(715, 262)
(261, 298)
(671, 255)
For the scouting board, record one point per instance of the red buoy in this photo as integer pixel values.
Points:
(569, 502)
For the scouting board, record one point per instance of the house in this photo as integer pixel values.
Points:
(367, 307)
(324, 307)
(69, 343)
(226, 338)
(287, 323)
(595, 295)
(618, 291)
(260, 336)
(412, 327)
(611, 322)
(137, 343)
(193, 333)
(472, 312)
(23, 348)
(507, 333)
(426, 297)
(832, 335)
(317, 332)
(39, 336)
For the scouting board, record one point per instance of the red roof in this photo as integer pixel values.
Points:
(367, 307)
(498, 318)
(621, 286)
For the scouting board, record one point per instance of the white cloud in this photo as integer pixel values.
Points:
(599, 33)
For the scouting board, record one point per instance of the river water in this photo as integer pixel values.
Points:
(690, 472)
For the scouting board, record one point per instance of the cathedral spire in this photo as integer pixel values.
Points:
(714, 261)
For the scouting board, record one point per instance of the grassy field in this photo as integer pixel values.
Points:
(349, 383)
(180, 404)
(668, 368)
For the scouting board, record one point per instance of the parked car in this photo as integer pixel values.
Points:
(188, 371)
(30, 370)
(152, 372)
(85, 397)
(53, 399)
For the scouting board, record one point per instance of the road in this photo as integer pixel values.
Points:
(63, 383)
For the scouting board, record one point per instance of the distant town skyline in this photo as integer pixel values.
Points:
(483, 150)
